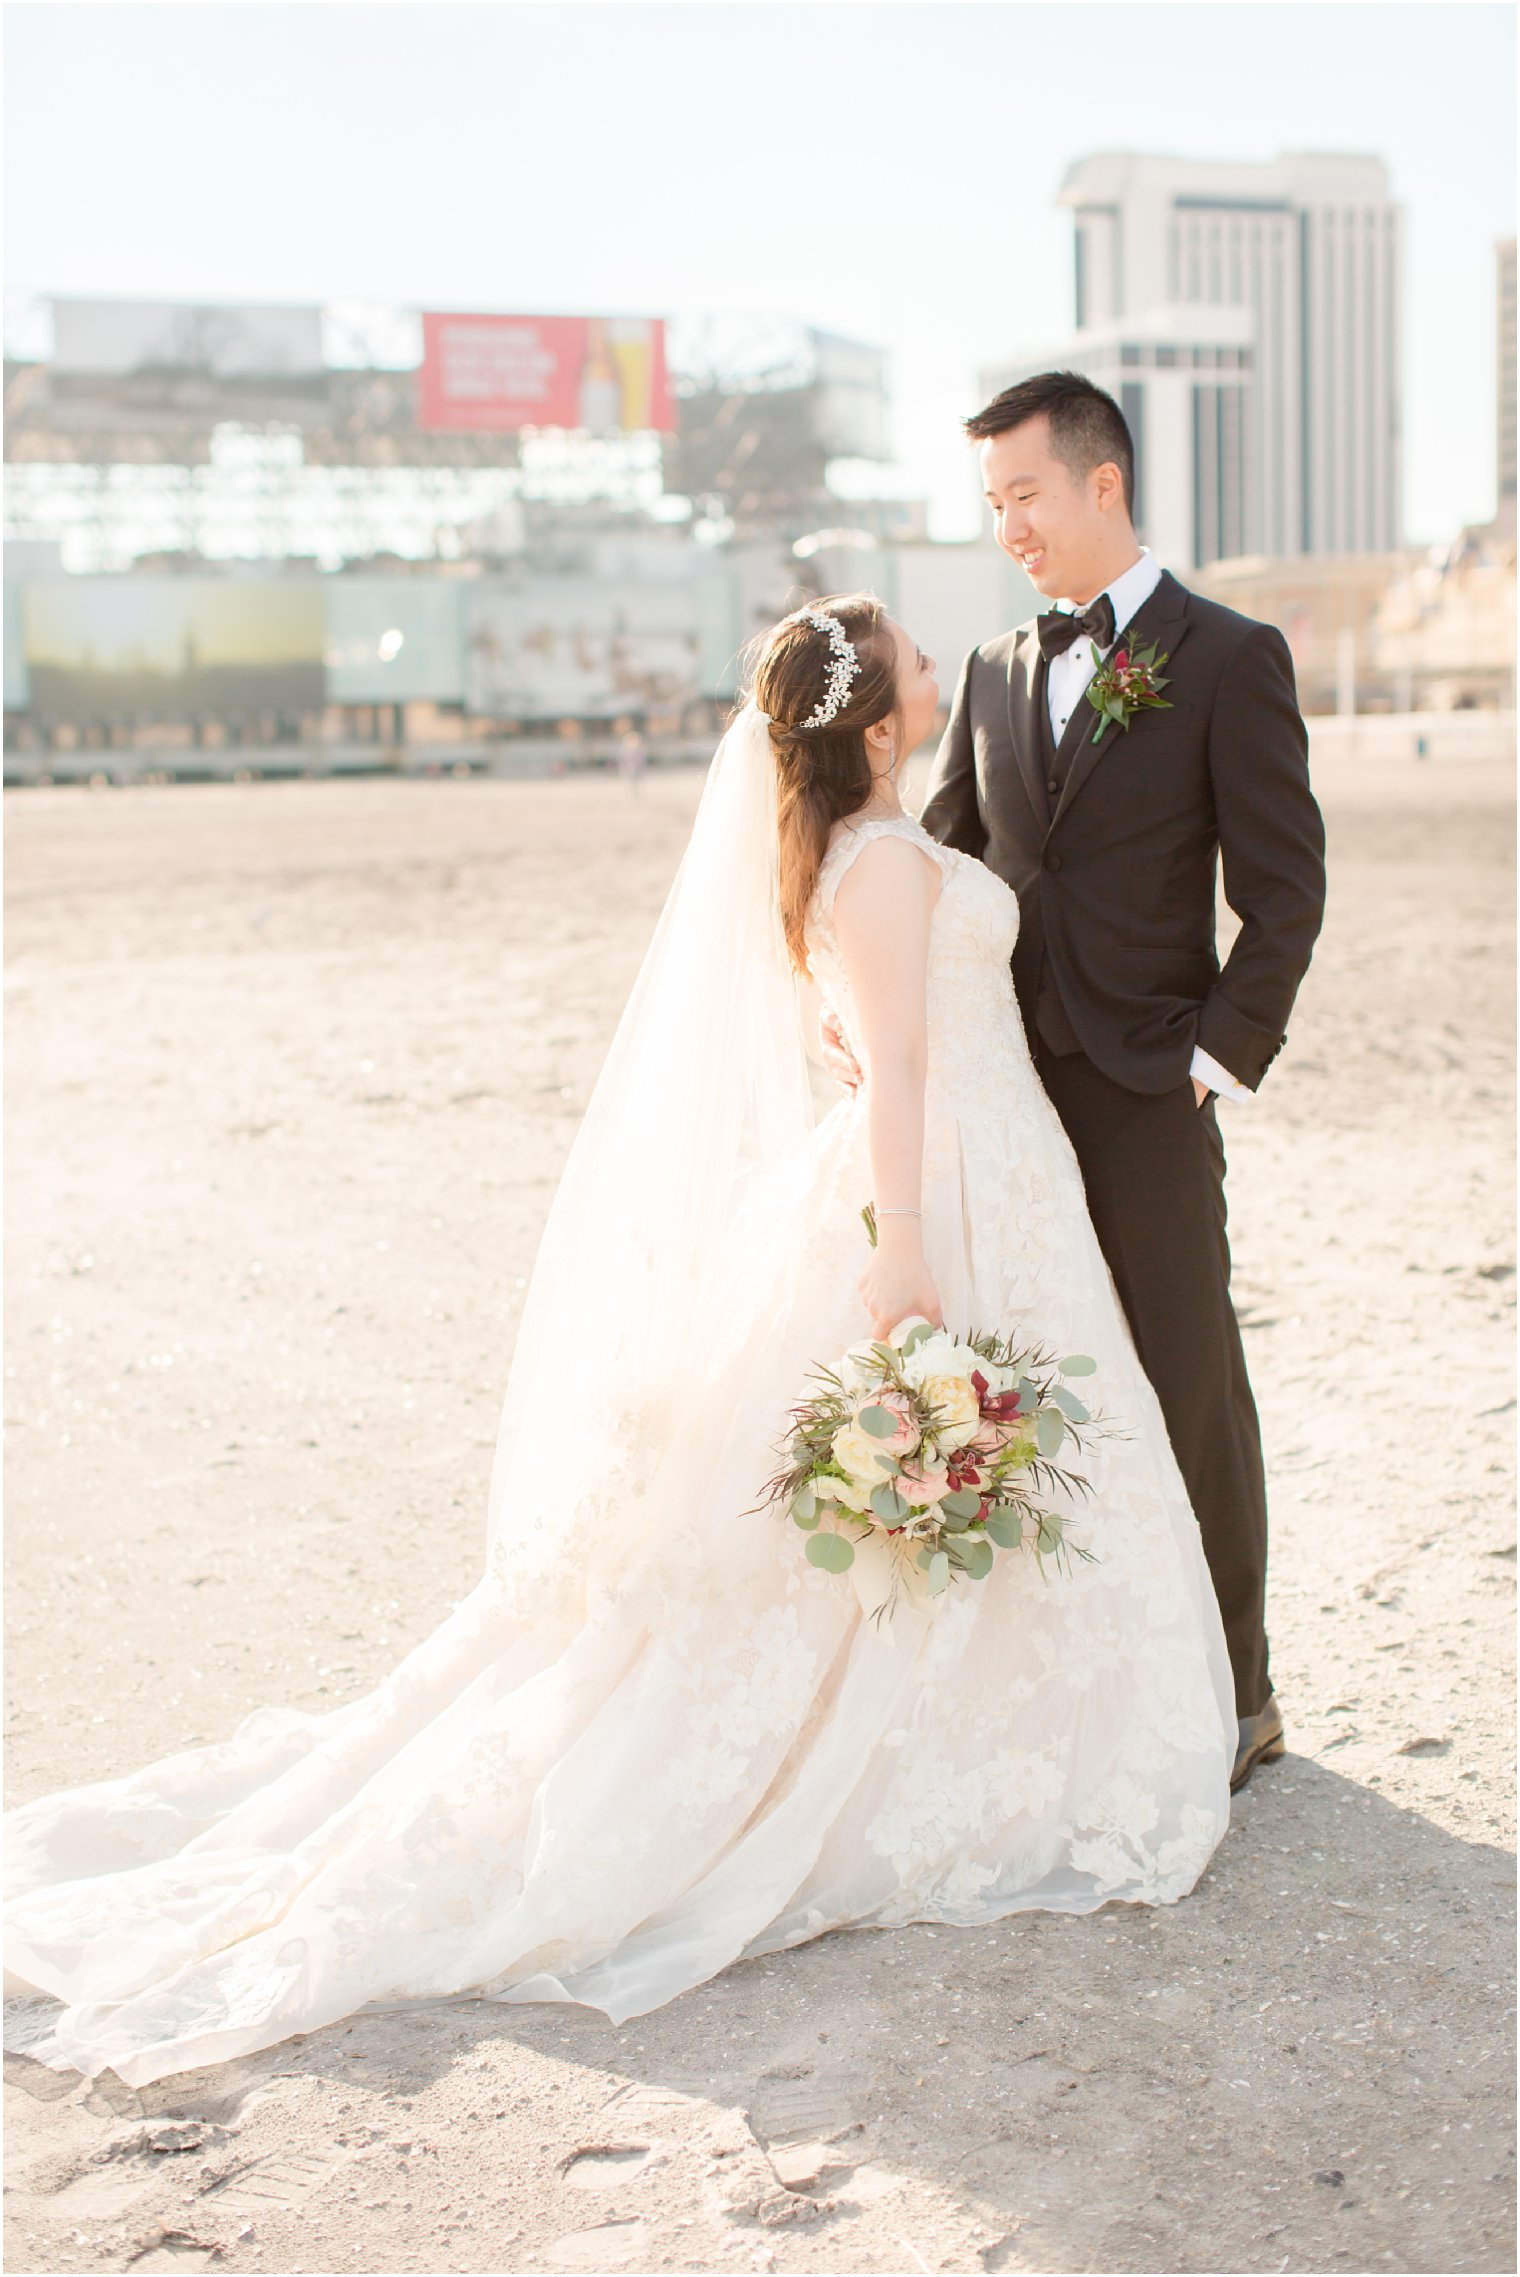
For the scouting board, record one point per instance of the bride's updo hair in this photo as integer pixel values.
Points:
(822, 773)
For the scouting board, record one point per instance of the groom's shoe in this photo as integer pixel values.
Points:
(1261, 1741)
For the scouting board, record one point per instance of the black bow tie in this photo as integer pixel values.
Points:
(1058, 628)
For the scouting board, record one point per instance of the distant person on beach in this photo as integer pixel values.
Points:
(632, 759)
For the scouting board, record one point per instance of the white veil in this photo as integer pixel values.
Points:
(639, 1273)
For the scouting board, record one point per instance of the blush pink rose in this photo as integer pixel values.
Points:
(905, 1438)
(922, 1486)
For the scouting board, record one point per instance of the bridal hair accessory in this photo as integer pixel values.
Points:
(920, 1455)
(844, 667)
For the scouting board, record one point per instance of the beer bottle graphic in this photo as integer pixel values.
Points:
(601, 397)
(633, 354)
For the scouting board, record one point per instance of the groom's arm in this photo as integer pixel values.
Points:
(952, 811)
(1272, 855)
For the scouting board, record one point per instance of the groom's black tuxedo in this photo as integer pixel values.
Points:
(1112, 846)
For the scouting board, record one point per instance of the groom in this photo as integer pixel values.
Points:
(1108, 830)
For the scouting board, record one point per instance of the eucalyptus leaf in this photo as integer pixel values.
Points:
(888, 1504)
(1050, 1431)
(939, 1573)
(1005, 1526)
(879, 1421)
(805, 1505)
(832, 1552)
(1069, 1404)
(915, 1336)
(1077, 1364)
(808, 1521)
(976, 1560)
(1029, 1394)
(962, 1504)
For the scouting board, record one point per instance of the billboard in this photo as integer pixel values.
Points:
(581, 648)
(495, 374)
(173, 648)
(116, 338)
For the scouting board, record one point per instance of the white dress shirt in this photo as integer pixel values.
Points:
(1066, 682)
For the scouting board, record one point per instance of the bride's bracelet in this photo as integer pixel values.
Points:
(885, 1212)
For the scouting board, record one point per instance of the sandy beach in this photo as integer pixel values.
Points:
(291, 1072)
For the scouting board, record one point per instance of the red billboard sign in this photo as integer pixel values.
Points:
(494, 374)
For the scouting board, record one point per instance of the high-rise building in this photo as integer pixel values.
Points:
(1506, 455)
(1311, 246)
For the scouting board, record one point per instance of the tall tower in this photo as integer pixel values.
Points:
(1311, 246)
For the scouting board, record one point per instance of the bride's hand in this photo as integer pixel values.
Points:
(897, 1283)
(838, 1058)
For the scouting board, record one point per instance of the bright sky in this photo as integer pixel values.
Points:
(882, 168)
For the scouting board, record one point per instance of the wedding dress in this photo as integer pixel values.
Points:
(654, 1739)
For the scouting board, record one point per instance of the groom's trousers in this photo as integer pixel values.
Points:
(1153, 1167)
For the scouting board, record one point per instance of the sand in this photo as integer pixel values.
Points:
(291, 1072)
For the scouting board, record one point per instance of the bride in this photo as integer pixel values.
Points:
(654, 1738)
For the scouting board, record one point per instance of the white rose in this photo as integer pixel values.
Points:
(957, 1411)
(998, 1377)
(852, 1492)
(940, 1355)
(860, 1369)
(860, 1454)
(924, 1360)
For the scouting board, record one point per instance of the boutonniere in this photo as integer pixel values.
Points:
(1131, 681)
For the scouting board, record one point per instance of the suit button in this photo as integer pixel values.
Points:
(1053, 787)
(1052, 861)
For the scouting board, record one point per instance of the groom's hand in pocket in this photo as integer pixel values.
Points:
(837, 1055)
(1201, 1093)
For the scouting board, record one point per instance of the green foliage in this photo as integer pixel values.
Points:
(963, 1504)
(975, 1559)
(832, 1552)
(1050, 1430)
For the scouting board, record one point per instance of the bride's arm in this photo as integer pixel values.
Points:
(881, 920)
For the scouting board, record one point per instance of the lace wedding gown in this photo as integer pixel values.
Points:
(611, 1773)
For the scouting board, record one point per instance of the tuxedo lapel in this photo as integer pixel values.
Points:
(1029, 723)
(1162, 618)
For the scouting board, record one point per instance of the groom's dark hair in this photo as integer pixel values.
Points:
(1087, 428)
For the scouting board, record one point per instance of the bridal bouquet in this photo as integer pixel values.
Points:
(925, 1454)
